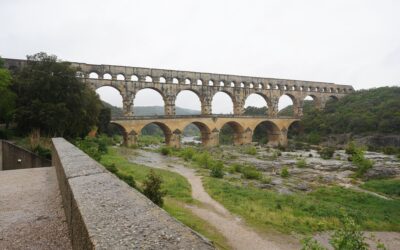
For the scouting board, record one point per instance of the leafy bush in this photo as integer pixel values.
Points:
(301, 163)
(165, 150)
(349, 236)
(284, 172)
(326, 153)
(128, 179)
(217, 170)
(152, 188)
(203, 159)
(187, 153)
(42, 151)
(358, 159)
(5, 134)
(250, 172)
(350, 148)
(389, 150)
(111, 167)
(250, 150)
(310, 244)
(90, 146)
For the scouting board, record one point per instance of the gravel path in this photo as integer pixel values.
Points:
(238, 235)
(31, 215)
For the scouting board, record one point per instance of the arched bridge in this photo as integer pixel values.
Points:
(129, 80)
(209, 126)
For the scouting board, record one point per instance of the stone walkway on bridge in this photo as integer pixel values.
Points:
(31, 213)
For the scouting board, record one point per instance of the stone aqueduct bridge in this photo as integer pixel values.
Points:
(129, 80)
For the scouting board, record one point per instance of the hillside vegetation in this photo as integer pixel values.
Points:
(364, 111)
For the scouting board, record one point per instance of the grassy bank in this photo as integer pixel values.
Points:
(305, 213)
(389, 187)
(178, 193)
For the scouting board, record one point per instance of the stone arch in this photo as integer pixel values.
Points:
(126, 141)
(165, 129)
(180, 94)
(316, 102)
(107, 96)
(294, 104)
(93, 75)
(121, 77)
(271, 130)
(237, 129)
(294, 129)
(153, 91)
(248, 102)
(225, 106)
(204, 131)
(107, 76)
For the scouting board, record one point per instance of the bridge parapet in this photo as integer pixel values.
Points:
(103, 212)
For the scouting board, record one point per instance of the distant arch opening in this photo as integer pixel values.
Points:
(120, 77)
(163, 80)
(286, 105)
(187, 103)
(255, 104)
(148, 102)
(175, 80)
(199, 82)
(148, 79)
(111, 96)
(309, 103)
(266, 132)
(134, 78)
(294, 130)
(93, 75)
(231, 133)
(154, 133)
(196, 133)
(222, 104)
(107, 76)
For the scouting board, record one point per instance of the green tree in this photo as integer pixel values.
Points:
(104, 120)
(52, 100)
(7, 96)
(152, 188)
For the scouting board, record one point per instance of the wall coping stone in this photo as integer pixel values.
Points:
(104, 212)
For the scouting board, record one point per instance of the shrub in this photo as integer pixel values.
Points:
(284, 172)
(326, 153)
(250, 172)
(310, 244)
(165, 151)
(217, 170)
(112, 168)
(390, 150)
(349, 236)
(204, 160)
(42, 151)
(187, 153)
(152, 188)
(350, 148)
(301, 163)
(358, 159)
(128, 179)
(251, 150)
(314, 138)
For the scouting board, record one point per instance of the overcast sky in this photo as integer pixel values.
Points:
(353, 42)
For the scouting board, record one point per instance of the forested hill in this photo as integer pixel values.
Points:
(364, 111)
(152, 110)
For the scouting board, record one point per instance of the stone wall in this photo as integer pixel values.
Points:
(15, 157)
(103, 212)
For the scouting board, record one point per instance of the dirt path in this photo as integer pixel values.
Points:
(238, 235)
